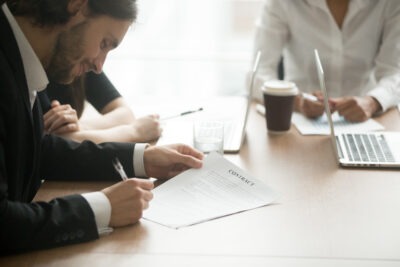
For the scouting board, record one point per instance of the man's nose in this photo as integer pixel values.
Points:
(99, 62)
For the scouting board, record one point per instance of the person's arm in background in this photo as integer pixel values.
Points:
(272, 34)
(114, 113)
(62, 120)
(386, 94)
(115, 123)
(106, 99)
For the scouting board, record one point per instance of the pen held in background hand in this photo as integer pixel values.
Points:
(118, 167)
(310, 97)
(260, 109)
(182, 114)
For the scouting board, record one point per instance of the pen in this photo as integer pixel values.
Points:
(182, 114)
(118, 167)
(260, 109)
(310, 97)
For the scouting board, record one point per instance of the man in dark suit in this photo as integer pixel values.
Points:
(60, 40)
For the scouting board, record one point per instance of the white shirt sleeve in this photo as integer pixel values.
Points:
(138, 161)
(272, 33)
(101, 208)
(387, 62)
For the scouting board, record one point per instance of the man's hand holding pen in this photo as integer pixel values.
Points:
(130, 197)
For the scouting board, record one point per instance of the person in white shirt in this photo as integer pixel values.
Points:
(358, 41)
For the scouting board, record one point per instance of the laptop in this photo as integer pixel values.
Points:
(233, 111)
(235, 130)
(360, 149)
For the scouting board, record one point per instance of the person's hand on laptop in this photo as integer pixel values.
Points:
(311, 108)
(355, 108)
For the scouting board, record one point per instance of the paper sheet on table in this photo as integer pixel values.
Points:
(218, 189)
(320, 126)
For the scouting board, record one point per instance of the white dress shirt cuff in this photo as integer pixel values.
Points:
(101, 208)
(385, 98)
(138, 160)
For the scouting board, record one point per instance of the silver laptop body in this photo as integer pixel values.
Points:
(234, 133)
(362, 149)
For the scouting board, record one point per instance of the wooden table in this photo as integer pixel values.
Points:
(325, 216)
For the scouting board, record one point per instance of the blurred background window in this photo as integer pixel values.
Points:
(181, 47)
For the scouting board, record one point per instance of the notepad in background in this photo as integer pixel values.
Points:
(320, 125)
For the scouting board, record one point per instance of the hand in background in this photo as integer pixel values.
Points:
(146, 128)
(128, 199)
(355, 109)
(60, 119)
(170, 160)
(308, 108)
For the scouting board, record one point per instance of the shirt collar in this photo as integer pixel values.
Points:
(357, 3)
(318, 3)
(35, 74)
(361, 3)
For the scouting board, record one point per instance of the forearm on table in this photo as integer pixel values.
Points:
(116, 117)
(122, 133)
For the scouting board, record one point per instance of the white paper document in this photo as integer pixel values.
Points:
(320, 125)
(218, 189)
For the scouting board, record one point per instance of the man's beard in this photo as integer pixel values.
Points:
(67, 52)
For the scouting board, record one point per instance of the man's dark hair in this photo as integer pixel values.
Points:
(55, 12)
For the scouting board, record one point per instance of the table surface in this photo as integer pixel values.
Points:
(325, 215)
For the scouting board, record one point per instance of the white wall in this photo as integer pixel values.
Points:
(181, 47)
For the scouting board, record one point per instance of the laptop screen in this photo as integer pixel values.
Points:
(250, 92)
(321, 78)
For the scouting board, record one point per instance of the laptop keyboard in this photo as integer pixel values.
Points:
(368, 148)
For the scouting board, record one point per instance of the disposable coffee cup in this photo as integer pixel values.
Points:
(279, 103)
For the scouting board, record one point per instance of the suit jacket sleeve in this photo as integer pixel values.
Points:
(40, 225)
(67, 160)
(62, 221)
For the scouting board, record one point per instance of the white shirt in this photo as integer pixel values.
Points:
(34, 72)
(37, 80)
(362, 58)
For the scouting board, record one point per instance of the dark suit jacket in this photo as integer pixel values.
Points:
(27, 156)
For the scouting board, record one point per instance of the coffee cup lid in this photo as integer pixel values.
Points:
(280, 87)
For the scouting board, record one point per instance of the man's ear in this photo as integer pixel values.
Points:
(76, 6)
(77, 9)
